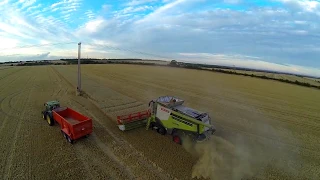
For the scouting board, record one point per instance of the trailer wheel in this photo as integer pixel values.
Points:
(161, 130)
(50, 120)
(43, 115)
(64, 134)
(69, 139)
(176, 138)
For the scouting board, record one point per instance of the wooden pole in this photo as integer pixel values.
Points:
(79, 69)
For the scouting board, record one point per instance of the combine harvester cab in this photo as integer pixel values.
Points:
(167, 115)
(170, 116)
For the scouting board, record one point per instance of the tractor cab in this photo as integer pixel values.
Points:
(50, 105)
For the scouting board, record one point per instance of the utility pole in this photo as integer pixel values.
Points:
(79, 69)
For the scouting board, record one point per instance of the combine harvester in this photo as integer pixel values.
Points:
(167, 115)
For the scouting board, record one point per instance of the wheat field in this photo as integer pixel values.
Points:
(265, 129)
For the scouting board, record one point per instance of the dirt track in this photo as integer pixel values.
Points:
(266, 127)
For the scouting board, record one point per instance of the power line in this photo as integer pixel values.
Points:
(11, 55)
(85, 43)
(38, 45)
(128, 50)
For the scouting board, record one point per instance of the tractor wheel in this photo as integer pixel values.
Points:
(162, 130)
(43, 115)
(50, 120)
(177, 139)
(152, 124)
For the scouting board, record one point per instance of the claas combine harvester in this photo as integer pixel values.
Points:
(168, 115)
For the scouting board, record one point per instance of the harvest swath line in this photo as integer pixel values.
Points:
(121, 104)
(9, 97)
(57, 82)
(271, 139)
(126, 108)
(10, 82)
(50, 78)
(62, 77)
(140, 158)
(13, 147)
(108, 152)
(3, 68)
(299, 115)
(125, 145)
(99, 168)
(285, 118)
(15, 132)
(8, 75)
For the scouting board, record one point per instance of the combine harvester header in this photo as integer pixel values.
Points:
(133, 121)
(167, 115)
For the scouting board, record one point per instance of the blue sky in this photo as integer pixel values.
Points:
(281, 35)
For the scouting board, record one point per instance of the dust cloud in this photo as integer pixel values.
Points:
(221, 159)
(243, 157)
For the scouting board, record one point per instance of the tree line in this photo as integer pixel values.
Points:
(174, 63)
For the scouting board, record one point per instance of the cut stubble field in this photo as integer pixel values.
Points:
(265, 129)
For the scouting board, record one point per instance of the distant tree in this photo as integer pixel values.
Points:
(173, 63)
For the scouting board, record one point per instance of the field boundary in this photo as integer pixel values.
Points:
(218, 69)
(212, 68)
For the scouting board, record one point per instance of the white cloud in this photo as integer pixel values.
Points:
(66, 5)
(57, 4)
(33, 7)
(247, 62)
(305, 5)
(67, 11)
(4, 2)
(163, 10)
(7, 43)
(138, 2)
(12, 30)
(27, 3)
(232, 1)
(135, 9)
(89, 14)
(93, 26)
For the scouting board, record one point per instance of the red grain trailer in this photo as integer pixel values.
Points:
(73, 124)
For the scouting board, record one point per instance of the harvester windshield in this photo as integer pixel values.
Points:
(176, 104)
(170, 101)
